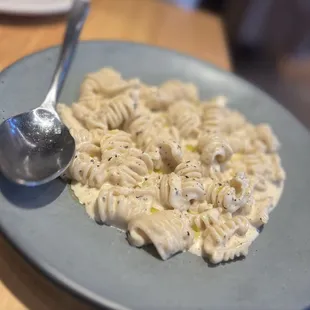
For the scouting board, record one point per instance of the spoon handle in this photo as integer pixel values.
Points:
(76, 19)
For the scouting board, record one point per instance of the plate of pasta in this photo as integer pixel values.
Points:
(167, 202)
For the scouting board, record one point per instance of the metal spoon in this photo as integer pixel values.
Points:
(36, 147)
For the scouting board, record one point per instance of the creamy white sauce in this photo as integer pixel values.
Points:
(275, 191)
(139, 175)
(197, 247)
(87, 196)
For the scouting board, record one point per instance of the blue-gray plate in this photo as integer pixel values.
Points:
(53, 231)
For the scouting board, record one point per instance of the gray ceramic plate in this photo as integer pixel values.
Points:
(52, 230)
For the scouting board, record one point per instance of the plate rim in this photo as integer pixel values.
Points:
(43, 267)
(170, 50)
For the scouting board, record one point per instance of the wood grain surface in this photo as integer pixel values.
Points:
(148, 21)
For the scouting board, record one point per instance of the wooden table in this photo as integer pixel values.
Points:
(148, 21)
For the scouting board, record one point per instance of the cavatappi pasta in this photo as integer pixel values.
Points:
(169, 169)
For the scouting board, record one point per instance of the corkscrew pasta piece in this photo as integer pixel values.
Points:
(149, 98)
(97, 135)
(87, 117)
(237, 246)
(120, 109)
(218, 174)
(66, 115)
(219, 234)
(240, 144)
(259, 215)
(188, 124)
(126, 170)
(192, 189)
(103, 84)
(205, 219)
(148, 131)
(113, 208)
(199, 207)
(90, 98)
(175, 192)
(259, 183)
(87, 136)
(256, 164)
(265, 134)
(214, 149)
(174, 90)
(89, 148)
(115, 142)
(170, 153)
(144, 129)
(170, 92)
(129, 168)
(169, 231)
(228, 240)
(233, 122)
(81, 112)
(93, 122)
(84, 142)
(125, 174)
(229, 196)
(214, 152)
(189, 169)
(170, 192)
(81, 136)
(87, 170)
(262, 166)
(127, 165)
(278, 173)
(244, 140)
(214, 113)
(111, 115)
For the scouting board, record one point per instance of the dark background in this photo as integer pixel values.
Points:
(269, 42)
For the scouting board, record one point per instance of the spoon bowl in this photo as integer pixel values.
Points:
(38, 147)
